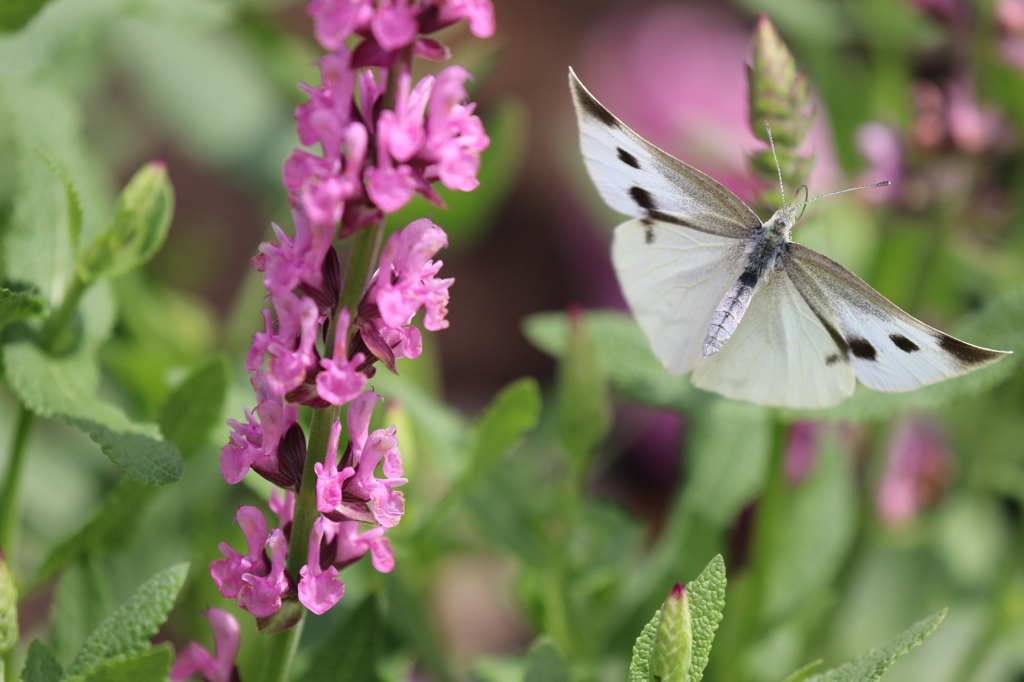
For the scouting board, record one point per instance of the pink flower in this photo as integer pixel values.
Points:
(336, 20)
(352, 545)
(479, 14)
(880, 146)
(291, 354)
(916, 473)
(404, 133)
(405, 280)
(283, 507)
(261, 595)
(318, 589)
(330, 481)
(228, 572)
(394, 24)
(339, 382)
(256, 444)
(194, 658)
(801, 450)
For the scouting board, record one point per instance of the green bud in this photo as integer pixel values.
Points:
(8, 608)
(779, 93)
(673, 645)
(142, 216)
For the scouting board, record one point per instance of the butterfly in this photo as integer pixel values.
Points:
(754, 315)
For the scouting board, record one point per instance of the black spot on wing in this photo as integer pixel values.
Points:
(862, 348)
(642, 198)
(903, 343)
(964, 352)
(627, 158)
(833, 359)
(593, 108)
(648, 230)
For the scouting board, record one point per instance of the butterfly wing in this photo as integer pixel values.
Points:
(636, 178)
(780, 353)
(673, 278)
(887, 349)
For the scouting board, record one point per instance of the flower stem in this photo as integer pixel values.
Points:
(282, 651)
(12, 477)
(54, 334)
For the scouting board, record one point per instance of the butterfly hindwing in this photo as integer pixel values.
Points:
(673, 278)
(636, 178)
(778, 354)
(888, 349)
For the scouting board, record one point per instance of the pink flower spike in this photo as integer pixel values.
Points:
(318, 589)
(340, 382)
(227, 573)
(261, 595)
(194, 658)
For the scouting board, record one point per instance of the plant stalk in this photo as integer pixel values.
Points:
(12, 478)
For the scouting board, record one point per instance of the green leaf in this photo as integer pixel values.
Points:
(74, 204)
(65, 387)
(8, 608)
(640, 666)
(623, 355)
(503, 425)
(544, 663)
(16, 13)
(707, 601)
(814, 533)
(142, 457)
(127, 631)
(870, 666)
(730, 447)
(194, 408)
(801, 674)
(17, 305)
(152, 665)
(142, 216)
(356, 661)
(584, 410)
(40, 665)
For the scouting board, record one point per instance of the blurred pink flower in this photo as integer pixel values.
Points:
(195, 658)
(916, 473)
(801, 450)
(880, 146)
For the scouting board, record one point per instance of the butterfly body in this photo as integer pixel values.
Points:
(754, 315)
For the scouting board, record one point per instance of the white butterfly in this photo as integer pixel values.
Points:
(754, 315)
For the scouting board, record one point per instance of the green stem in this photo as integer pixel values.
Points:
(12, 477)
(53, 336)
(282, 653)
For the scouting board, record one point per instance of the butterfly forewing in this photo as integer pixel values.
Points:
(888, 349)
(636, 178)
(778, 354)
(673, 278)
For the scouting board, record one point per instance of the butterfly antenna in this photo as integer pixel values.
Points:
(884, 183)
(782, 188)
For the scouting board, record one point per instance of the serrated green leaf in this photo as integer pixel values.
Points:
(142, 457)
(65, 387)
(707, 601)
(17, 305)
(126, 632)
(870, 666)
(40, 665)
(194, 408)
(151, 665)
(502, 425)
(623, 355)
(544, 663)
(640, 665)
(356, 661)
(584, 410)
(801, 674)
(74, 204)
